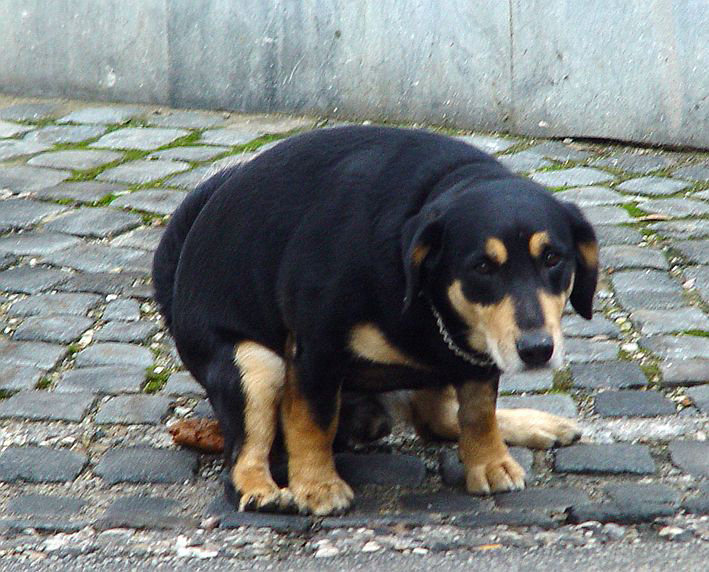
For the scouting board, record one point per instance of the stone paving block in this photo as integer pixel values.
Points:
(80, 160)
(186, 119)
(29, 111)
(21, 178)
(704, 195)
(21, 213)
(46, 406)
(133, 409)
(45, 505)
(13, 148)
(514, 518)
(103, 379)
(182, 383)
(540, 380)
(380, 469)
(650, 300)
(677, 347)
(592, 196)
(139, 138)
(113, 353)
(30, 280)
(191, 179)
(682, 229)
(236, 159)
(685, 372)
(101, 115)
(10, 129)
(443, 502)
(488, 143)
(96, 258)
(624, 494)
(675, 207)
(228, 137)
(696, 251)
(76, 304)
(80, 191)
(139, 331)
(574, 325)
(697, 504)
(694, 172)
(140, 172)
(189, 153)
(523, 162)
(609, 512)
(146, 465)
(653, 186)
(598, 215)
(551, 498)
(630, 403)
(559, 151)
(691, 456)
(651, 322)
(144, 238)
(453, 474)
(555, 403)
(17, 377)
(264, 123)
(614, 374)
(145, 504)
(700, 275)
(626, 256)
(125, 309)
(40, 465)
(53, 134)
(583, 350)
(35, 242)
(574, 177)
(700, 396)
(60, 329)
(616, 458)
(203, 409)
(608, 234)
(97, 222)
(634, 162)
(160, 201)
(100, 282)
(35, 354)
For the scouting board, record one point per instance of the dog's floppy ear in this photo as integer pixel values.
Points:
(586, 275)
(420, 242)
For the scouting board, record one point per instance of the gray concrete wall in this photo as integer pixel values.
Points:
(624, 69)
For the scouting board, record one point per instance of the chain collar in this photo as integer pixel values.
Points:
(462, 354)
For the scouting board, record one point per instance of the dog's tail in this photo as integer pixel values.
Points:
(167, 255)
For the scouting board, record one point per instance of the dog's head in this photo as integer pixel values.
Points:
(499, 259)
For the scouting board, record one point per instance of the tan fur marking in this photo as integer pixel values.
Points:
(589, 253)
(435, 413)
(420, 252)
(368, 341)
(496, 250)
(537, 242)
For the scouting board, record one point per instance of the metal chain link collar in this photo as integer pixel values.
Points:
(462, 354)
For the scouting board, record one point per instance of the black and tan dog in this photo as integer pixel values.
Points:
(370, 259)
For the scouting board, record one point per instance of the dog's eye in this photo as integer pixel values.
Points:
(484, 267)
(550, 259)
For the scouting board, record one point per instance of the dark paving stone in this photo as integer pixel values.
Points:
(140, 172)
(10, 129)
(96, 222)
(158, 506)
(635, 163)
(139, 331)
(96, 258)
(46, 405)
(182, 383)
(629, 493)
(633, 404)
(140, 138)
(42, 525)
(189, 153)
(143, 521)
(698, 504)
(574, 325)
(36, 354)
(28, 111)
(228, 137)
(645, 281)
(444, 502)
(682, 229)
(488, 143)
(133, 409)
(653, 186)
(45, 505)
(453, 474)
(13, 148)
(146, 465)
(696, 251)
(609, 234)
(113, 353)
(583, 350)
(606, 215)
(21, 178)
(557, 404)
(35, 242)
(191, 179)
(81, 191)
(592, 196)
(186, 119)
(380, 469)
(627, 256)
(203, 409)
(551, 498)
(277, 522)
(675, 207)
(144, 238)
(107, 379)
(53, 134)
(677, 347)
(160, 201)
(100, 282)
(17, 377)
(61, 329)
(694, 172)
(607, 512)
(614, 458)
(77, 304)
(80, 160)
(650, 300)
(125, 309)
(559, 151)
(21, 213)
(508, 518)
(651, 322)
(40, 465)
(685, 372)
(523, 162)
(527, 381)
(576, 177)
(700, 275)
(101, 115)
(699, 396)
(691, 456)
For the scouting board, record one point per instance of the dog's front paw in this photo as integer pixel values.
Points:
(333, 496)
(499, 475)
(267, 499)
(536, 429)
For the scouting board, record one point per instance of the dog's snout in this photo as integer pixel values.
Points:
(535, 348)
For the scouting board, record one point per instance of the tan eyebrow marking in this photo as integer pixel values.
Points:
(537, 242)
(496, 250)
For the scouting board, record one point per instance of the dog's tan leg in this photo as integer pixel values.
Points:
(489, 467)
(536, 429)
(312, 478)
(262, 380)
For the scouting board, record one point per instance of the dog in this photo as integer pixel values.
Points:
(365, 259)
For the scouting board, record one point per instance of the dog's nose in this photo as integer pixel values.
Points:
(535, 348)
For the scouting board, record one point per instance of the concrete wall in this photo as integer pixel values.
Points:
(623, 69)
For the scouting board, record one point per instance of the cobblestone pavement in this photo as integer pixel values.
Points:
(89, 381)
